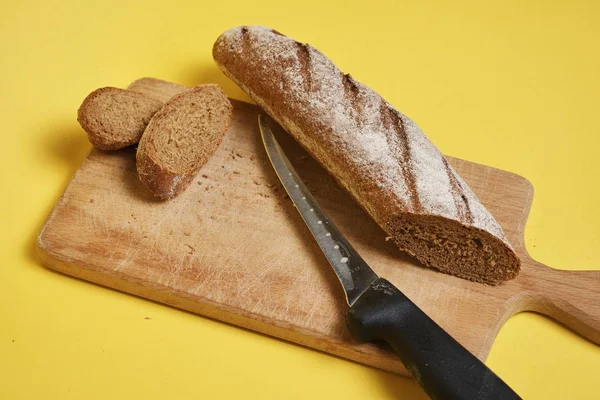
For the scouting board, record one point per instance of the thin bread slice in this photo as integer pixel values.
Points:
(181, 138)
(116, 118)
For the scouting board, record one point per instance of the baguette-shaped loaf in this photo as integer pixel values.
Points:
(377, 153)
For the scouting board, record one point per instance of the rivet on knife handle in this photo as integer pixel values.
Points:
(379, 311)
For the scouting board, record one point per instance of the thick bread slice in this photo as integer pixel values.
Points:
(378, 154)
(115, 118)
(181, 137)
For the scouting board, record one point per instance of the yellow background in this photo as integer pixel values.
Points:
(514, 85)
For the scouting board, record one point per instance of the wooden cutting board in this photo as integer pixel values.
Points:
(232, 247)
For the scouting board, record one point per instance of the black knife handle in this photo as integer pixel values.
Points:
(441, 365)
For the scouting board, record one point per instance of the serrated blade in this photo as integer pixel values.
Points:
(352, 271)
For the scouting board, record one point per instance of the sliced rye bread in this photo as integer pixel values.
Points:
(181, 137)
(116, 118)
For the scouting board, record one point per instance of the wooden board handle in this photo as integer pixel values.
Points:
(570, 297)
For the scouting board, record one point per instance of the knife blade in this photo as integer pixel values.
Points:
(381, 312)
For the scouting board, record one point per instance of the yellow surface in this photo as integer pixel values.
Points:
(510, 84)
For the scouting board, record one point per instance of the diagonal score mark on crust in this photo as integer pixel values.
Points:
(460, 200)
(303, 53)
(351, 93)
(245, 38)
(397, 140)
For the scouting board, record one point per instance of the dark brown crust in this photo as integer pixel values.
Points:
(157, 178)
(98, 138)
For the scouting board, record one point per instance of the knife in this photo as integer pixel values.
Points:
(381, 312)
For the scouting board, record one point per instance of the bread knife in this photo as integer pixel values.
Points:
(381, 312)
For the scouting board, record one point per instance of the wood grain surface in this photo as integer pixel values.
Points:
(232, 247)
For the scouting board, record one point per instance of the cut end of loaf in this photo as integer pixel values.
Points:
(459, 250)
(181, 138)
(115, 118)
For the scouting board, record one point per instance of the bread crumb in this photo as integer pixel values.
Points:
(192, 249)
(204, 176)
(199, 183)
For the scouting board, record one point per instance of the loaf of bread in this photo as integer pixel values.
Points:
(377, 153)
(181, 137)
(116, 118)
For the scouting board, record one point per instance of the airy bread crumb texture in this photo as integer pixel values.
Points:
(181, 138)
(116, 118)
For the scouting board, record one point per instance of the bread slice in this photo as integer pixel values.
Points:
(115, 118)
(181, 137)
(374, 151)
